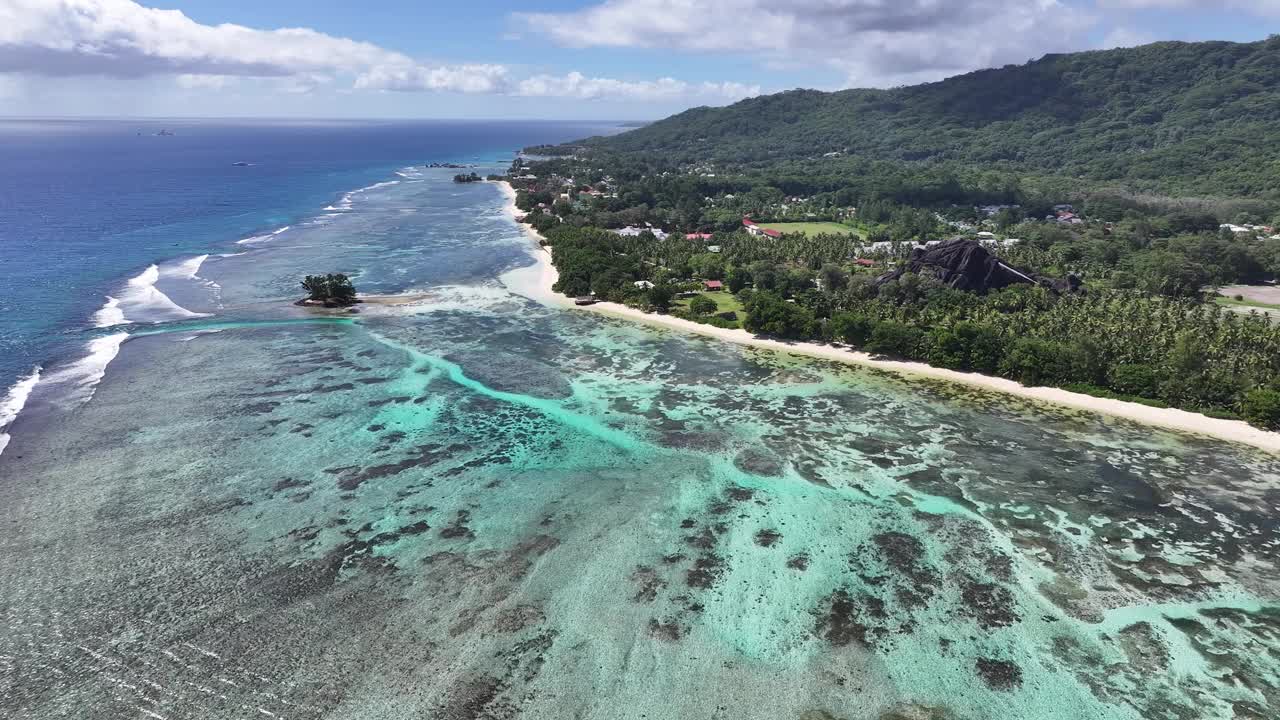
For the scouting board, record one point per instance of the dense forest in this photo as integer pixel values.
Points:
(1173, 118)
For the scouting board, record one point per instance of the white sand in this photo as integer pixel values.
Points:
(535, 283)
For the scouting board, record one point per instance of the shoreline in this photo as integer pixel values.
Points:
(535, 283)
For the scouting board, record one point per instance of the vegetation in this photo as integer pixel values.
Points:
(721, 309)
(1171, 117)
(1262, 408)
(702, 305)
(1072, 163)
(334, 289)
(810, 228)
(467, 178)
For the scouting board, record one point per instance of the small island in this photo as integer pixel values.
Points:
(465, 178)
(333, 290)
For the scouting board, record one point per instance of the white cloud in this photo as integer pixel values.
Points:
(205, 82)
(873, 41)
(122, 39)
(463, 78)
(1257, 7)
(577, 85)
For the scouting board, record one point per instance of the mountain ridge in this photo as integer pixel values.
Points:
(1174, 117)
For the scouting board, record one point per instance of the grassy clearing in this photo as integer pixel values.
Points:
(725, 302)
(812, 228)
(1232, 302)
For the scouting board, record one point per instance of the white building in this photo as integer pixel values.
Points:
(632, 231)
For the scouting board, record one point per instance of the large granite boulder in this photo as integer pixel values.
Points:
(967, 265)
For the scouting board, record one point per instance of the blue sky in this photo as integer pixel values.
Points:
(582, 59)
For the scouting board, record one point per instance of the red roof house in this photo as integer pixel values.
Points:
(863, 262)
(748, 222)
(772, 233)
(713, 284)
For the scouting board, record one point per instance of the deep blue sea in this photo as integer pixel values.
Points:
(87, 204)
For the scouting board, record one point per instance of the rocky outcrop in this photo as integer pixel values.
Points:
(967, 265)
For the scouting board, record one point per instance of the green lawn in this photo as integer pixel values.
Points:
(812, 228)
(1232, 302)
(725, 302)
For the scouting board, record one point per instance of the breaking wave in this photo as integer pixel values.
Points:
(256, 239)
(142, 302)
(348, 199)
(81, 378)
(13, 403)
(109, 314)
(480, 299)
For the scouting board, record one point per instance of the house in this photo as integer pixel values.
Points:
(771, 233)
(713, 285)
(643, 284)
(632, 231)
(986, 236)
(864, 262)
(713, 248)
(752, 227)
(698, 236)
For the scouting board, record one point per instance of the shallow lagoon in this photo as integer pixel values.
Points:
(478, 507)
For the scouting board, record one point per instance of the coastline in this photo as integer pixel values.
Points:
(535, 283)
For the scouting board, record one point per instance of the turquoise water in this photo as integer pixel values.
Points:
(473, 506)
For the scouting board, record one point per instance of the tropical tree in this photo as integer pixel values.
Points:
(702, 305)
(330, 289)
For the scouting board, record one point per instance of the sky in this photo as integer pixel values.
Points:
(539, 59)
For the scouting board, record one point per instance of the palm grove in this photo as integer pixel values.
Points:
(1148, 242)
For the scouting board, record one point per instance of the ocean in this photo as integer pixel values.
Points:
(217, 504)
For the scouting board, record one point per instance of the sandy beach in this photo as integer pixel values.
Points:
(535, 283)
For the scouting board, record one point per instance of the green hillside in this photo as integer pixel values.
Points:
(1172, 117)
